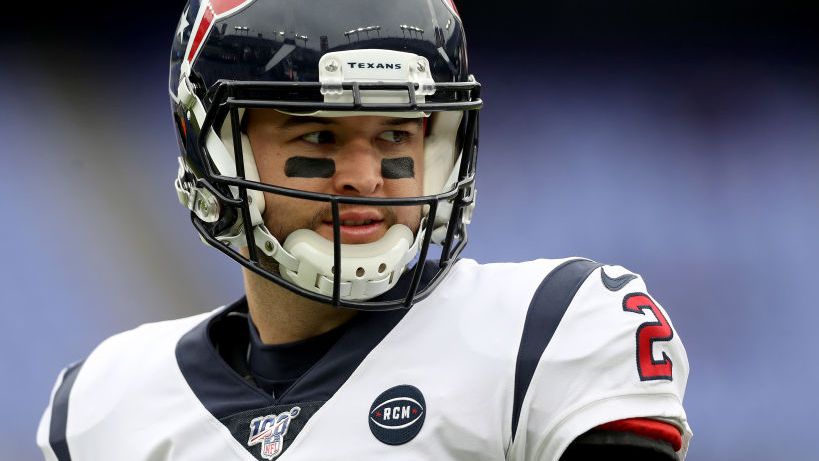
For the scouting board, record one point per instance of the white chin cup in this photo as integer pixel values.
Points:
(367, 270)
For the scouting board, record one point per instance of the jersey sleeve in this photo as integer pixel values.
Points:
(51, 432)
(613, 355)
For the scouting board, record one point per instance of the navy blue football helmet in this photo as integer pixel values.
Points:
(325, 58)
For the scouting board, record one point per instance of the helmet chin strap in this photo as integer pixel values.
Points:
(306, 259)
(367, 270)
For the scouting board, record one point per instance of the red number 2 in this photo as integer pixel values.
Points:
(646, 335)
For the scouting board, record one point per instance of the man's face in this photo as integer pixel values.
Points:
(362, 156)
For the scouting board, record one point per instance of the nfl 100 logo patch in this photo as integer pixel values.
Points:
(269, 431)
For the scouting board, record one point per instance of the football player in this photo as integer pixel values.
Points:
(329, 147)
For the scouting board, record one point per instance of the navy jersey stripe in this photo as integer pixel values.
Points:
(548, 305)
(59, 414)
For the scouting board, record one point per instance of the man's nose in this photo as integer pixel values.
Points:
(358, 169)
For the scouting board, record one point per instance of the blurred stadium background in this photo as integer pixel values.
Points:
(676, 138)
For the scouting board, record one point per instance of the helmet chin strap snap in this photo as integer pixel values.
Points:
(367, 270)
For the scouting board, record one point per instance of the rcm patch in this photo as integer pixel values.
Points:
(397, 414)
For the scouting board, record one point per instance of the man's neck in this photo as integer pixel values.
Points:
(282, 316)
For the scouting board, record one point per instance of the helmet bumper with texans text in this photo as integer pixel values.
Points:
(325, 58)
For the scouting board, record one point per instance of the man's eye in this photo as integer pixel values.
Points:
(394, 136)
(319, 137)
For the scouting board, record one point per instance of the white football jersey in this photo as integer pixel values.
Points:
(500, 362)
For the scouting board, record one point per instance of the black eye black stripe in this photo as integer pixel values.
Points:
(398, 168)
(307, 167)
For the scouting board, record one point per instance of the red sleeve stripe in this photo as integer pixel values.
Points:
(650, 428)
